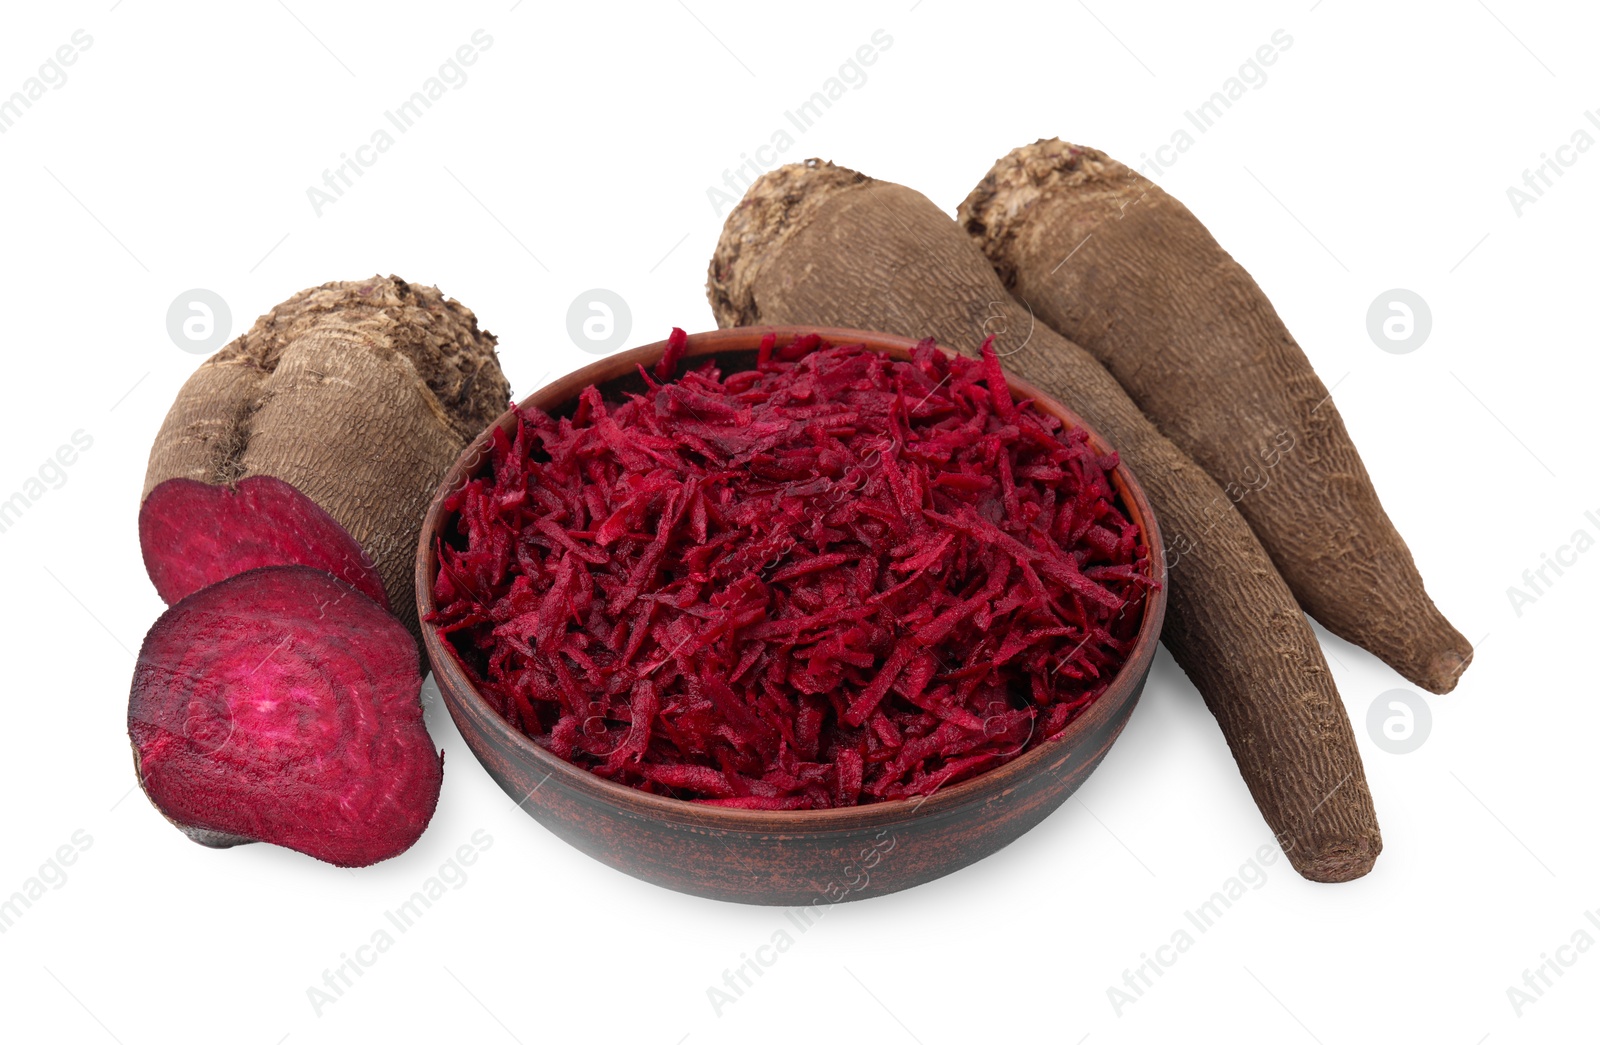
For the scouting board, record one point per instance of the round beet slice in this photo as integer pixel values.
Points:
(282, 705)
(193, 534)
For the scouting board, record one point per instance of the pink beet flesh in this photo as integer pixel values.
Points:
(283, 706)
(193, 534)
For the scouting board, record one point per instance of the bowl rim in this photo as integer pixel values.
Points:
(455, 685)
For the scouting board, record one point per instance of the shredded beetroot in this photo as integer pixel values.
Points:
(834, 579)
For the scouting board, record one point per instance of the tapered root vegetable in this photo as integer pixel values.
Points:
(816, 243)
(1110, 260)
(282, 706)
(356, 396)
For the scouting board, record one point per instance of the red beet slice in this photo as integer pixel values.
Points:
(193, 534)
(282, 706)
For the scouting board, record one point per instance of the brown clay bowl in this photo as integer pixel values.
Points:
(787, 857)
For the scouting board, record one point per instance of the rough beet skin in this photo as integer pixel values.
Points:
(282, 705)
(357, 395)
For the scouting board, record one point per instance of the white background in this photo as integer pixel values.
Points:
(578, 155)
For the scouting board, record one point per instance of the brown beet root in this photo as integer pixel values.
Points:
(282, 705)
(818, 244)
(1110, 260)
(358, 395)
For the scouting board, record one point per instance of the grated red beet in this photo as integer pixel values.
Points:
(834, 579)
(193, 534)
(282, 705)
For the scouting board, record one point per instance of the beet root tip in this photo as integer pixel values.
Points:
(1445, 670)
(1337, 862)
